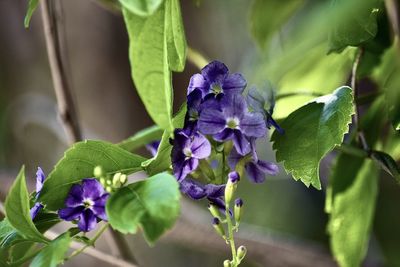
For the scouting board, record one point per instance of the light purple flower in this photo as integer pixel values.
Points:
(215, 79)
(232, 121)
(37, 207)
(256, 169)
(186, 152)
(85, 203)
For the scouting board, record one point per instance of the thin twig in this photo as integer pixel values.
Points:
(90, 251)
(65, 102)
(66, 107)
(353, 84)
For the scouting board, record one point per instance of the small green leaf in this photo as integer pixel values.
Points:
(142, 138)
(33, 4)
(53, 254)
(311, 132)
(149, 63)
(8, 235)
(17, 209)
(162, 160)
(387, 163)
(175, 34)
(79, 162)
(352, 209)
(356, 25)
(141, 7)
(267, 16)
(152, 204)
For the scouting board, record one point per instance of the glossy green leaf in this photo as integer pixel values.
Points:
(311, 132)
(33, 4)
(175, 35)
(141, 7)
(162, 160)
(352, 209)
(149, 64)
(356, 25)
(53, 254)
(267, 16)
(79, 162)
(17, 209)
(142, 138)
(152, 204)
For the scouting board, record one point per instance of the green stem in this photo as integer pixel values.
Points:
(299, 93)
(231, 239)
(196, 58)
(92, 242)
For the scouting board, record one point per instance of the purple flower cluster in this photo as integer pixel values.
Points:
(217, 112)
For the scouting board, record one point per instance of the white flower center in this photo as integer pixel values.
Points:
(232, 123)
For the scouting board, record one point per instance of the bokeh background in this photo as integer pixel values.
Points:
(284, 221)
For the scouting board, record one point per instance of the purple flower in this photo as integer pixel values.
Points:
(85, 203)
(186, 152)
(232, 122)
(215, 79)
(259, 102)
(40, 177)
(256, 169)
(153, 147)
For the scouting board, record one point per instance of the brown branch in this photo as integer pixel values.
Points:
(66, 107)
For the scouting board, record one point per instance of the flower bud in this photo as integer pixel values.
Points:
(218, 227)
(123, 179)
(241, 252)
(233, 179)
(238, 209)
(109, 189)
(227, 263)
(116, 179)
(98, 172)
(103, 181)
(214, 210)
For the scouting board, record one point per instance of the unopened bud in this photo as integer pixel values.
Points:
(241, 252)
(233, 179)
(227, 263)
(116, 179)
(109, 189)
(98, 172)
(214, 210)
(108, 182)
(237, 210)
(218, 227)
(123, 179)
(103, 181)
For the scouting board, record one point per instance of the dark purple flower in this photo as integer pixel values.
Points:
(238, 202)
(256, 169)
(40, 177)
(186, 152)
(153, 147)
(232, 122)
(85, 203)
(263, 103)
(215, 79)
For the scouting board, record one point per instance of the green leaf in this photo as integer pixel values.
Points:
(142, 138)
(175, 34)
(356, 25)
(162, 160)
(149, 64)
(79, 162)
(387, 163)
(267, 16)
(17, 209)
(53, 254)
(8, 235)
(352, 209)
(33, 4)
(141, 7)
(311, 132)
(152, 204)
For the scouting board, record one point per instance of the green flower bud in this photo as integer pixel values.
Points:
(116, 179)
(241, 252)
(227, 263)
(98, 172)
(123, 179)
(237, 210)
(214, 211)
(109, 189)
(231, 185)
(218, 227)
(103, 181)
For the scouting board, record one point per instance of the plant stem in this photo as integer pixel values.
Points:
(196, 58)
(360, 133)
(231, 239)
(299, 93)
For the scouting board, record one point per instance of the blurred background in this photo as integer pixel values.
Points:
(284, 221)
